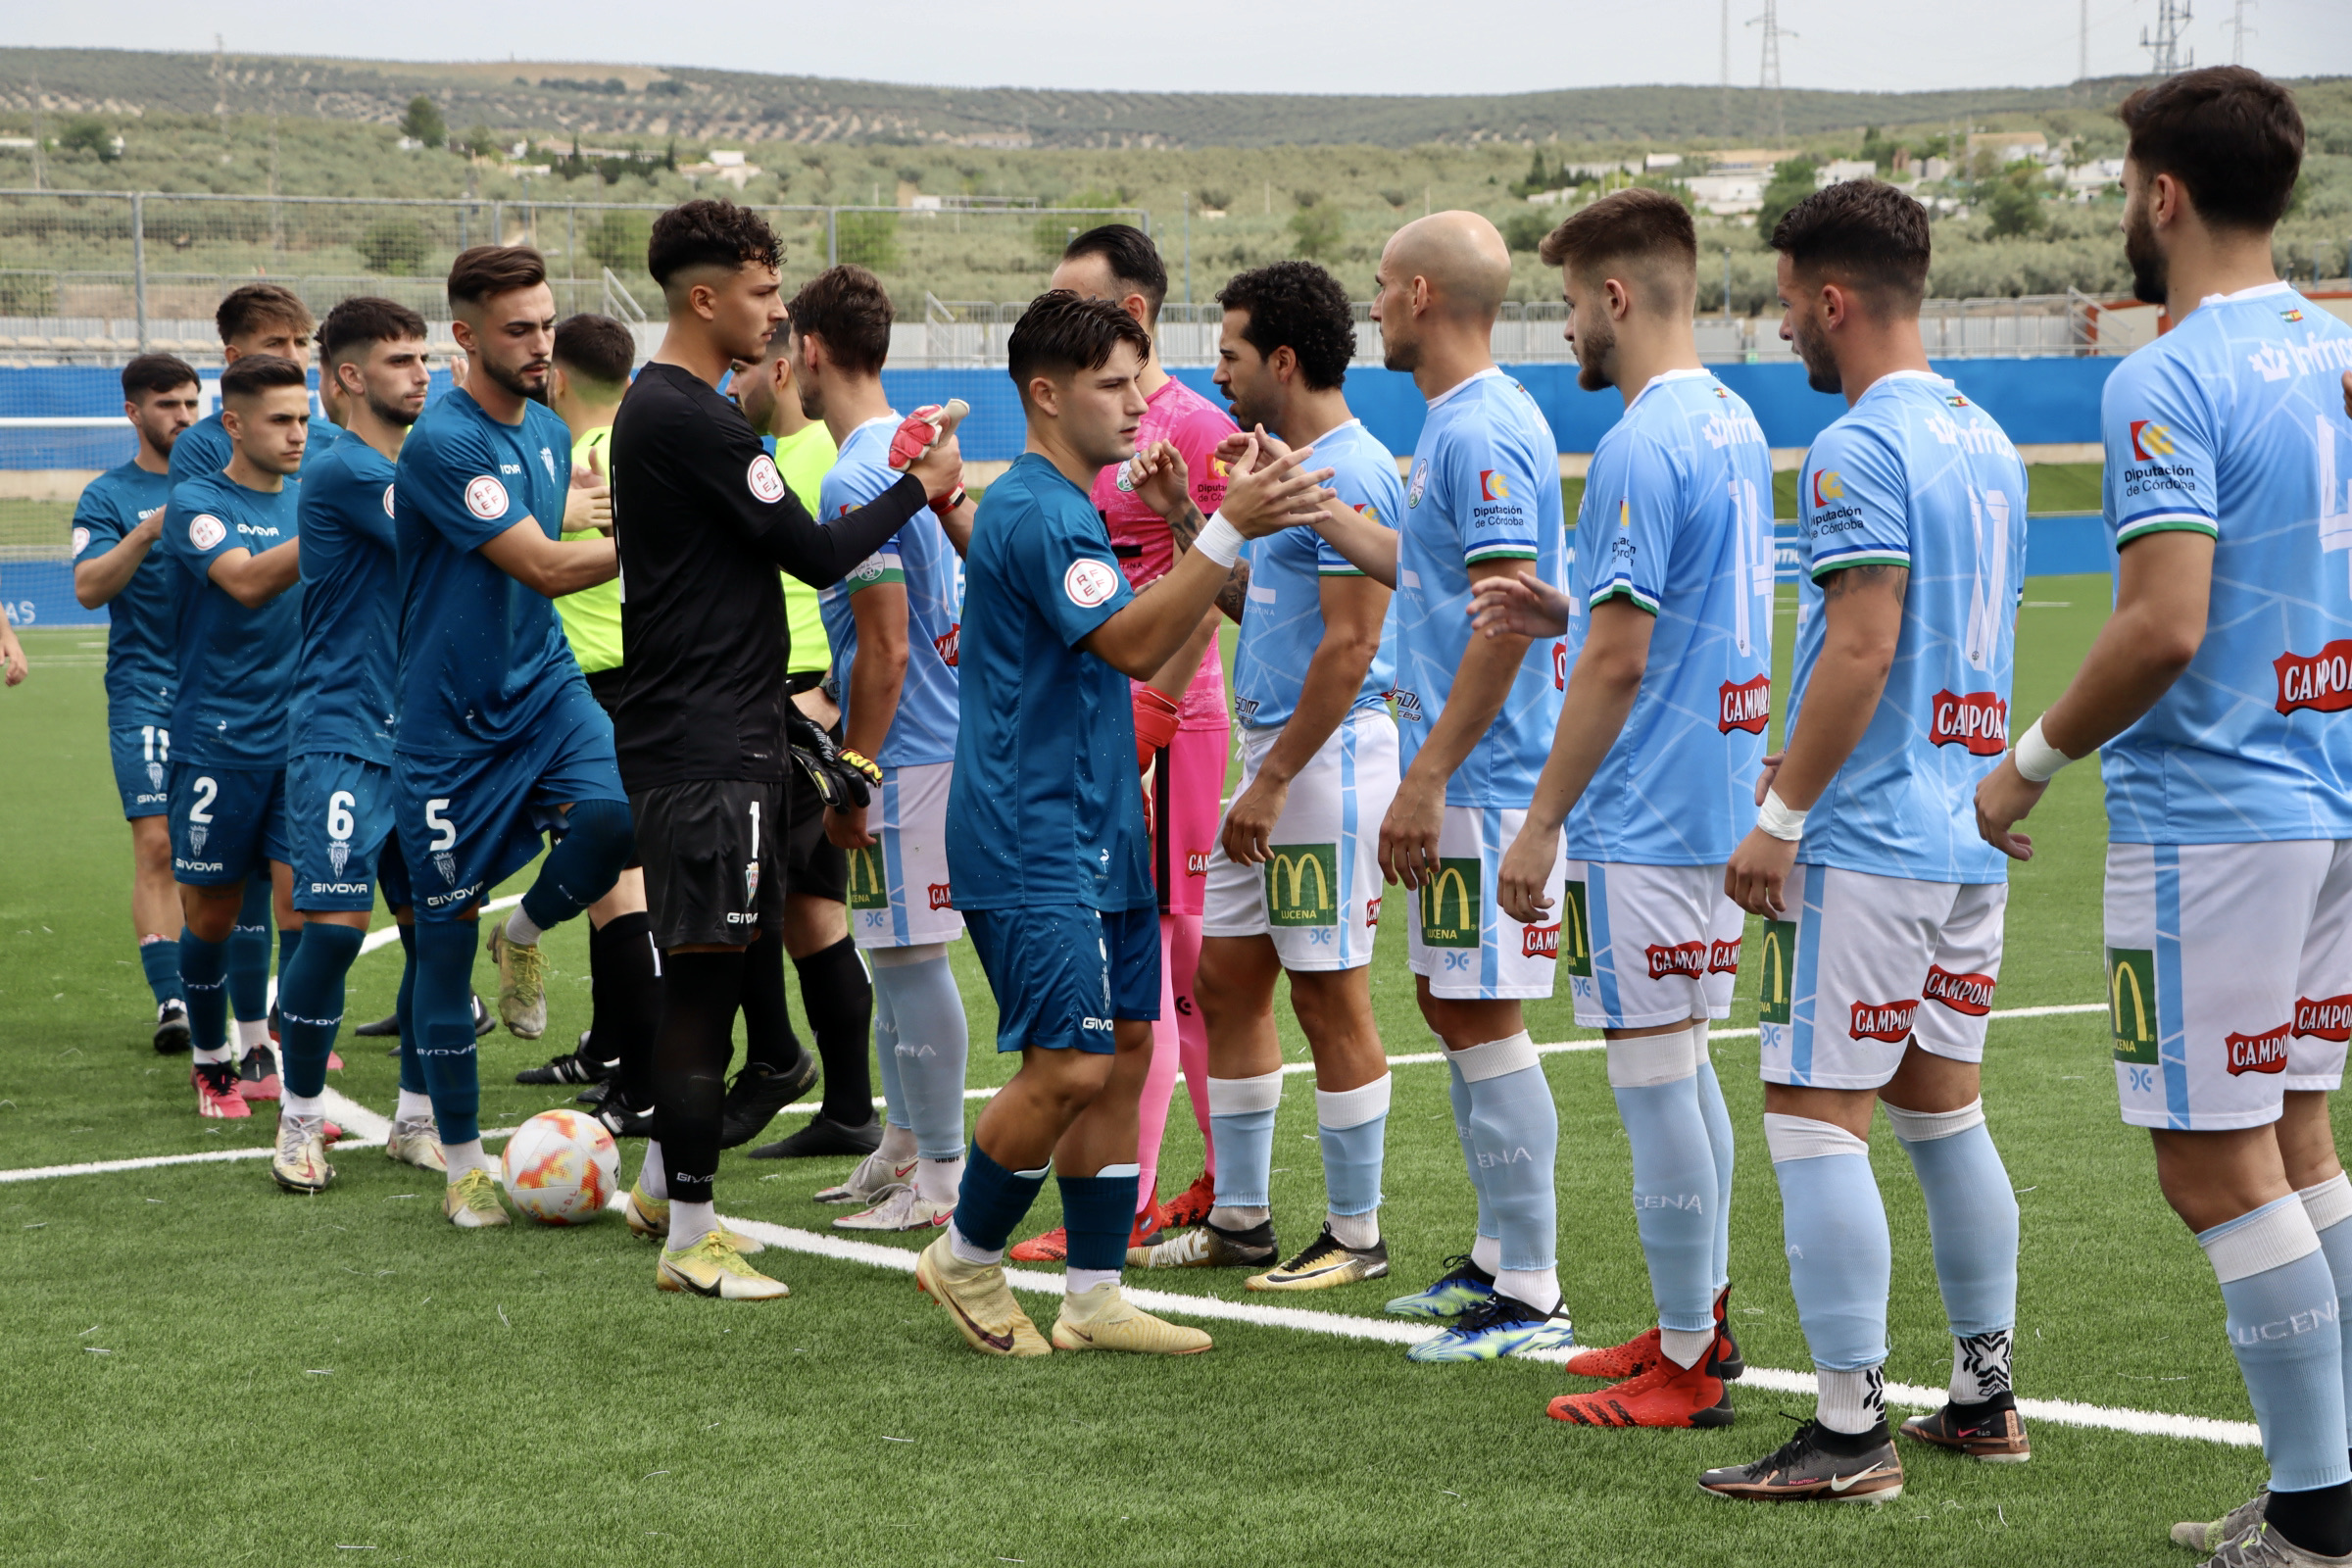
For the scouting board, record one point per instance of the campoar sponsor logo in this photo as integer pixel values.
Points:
(1978, 721)
(2320, 681)
(1541, 942)
(2262, 1052)
(1723, 958)
(2327, 1018)
(940, 899)
(1682, 958)
(949, 643)
(1970, 994)
(1889, 1021)
(1196, 862)
(1745, 705)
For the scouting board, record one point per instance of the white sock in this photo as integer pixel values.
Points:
(966, 1253)
(689, 1223)
(463, 1157)
(1685, 1346)
(652, 1177)
(215, 1053)
(1079, 1281)
(290, 1104)
(1237, 1219)
(938, 1181)
(898, 1144)
(1539, 1287)
(519, 928)
(252, 1031)
(1851, 1403)
(1487, 1253)
(413, 1107)
(1359, 1231)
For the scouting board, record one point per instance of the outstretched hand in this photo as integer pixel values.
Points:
(1520, 605)
(925, 445)
(1265, 493)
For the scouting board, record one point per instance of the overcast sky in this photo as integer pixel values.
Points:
(1380, 46)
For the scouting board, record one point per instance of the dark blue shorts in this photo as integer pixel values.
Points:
(142, 756)
(227, 823)
(466, 824)
(1063, 974)
(338, 824)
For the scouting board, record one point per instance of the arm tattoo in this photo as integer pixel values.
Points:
(1854, 579)
(1234, 597)
(1186, 527)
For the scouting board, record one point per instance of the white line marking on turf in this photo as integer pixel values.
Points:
(354, 1118)
(385, 936)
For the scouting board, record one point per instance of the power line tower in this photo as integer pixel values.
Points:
(2238, 30)
(2166, 57)
(1768, 77)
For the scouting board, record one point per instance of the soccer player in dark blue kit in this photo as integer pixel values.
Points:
(339, 756)
(1048, 847)
(232, 540)
(499, 740)
(117, 524)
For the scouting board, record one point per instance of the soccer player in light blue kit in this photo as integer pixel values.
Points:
(1883, 910)
(255, 319)
(339, 756)
(1046, 839)
(232, 540)
(892, 625)
(2216, 696)
(499, 740)
(117, 524)
(1653, 772)
(1294, 883)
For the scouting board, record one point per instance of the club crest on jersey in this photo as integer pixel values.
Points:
(82, 540)
(2320, 681)
(751, 882)
(338, 853)
(547, 461)
(1090, 582)
(1979, 722)
(196, 837)
(1420, 483)
(1969, 994)
(1889, 1021)
(1491, 485)
(940, 897)
(2262, 1052)
(1682, 958)
(2151, 440)
(1827, 487)
(1745, 705)
(207, 532)
(2327, 1018)
(155, 775)
(388, 501)
(447, 864)
(485, 497)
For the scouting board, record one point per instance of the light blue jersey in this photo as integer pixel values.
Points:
(1917, 475)
(1485, 488)
(2232, 424)
(1677, 518)
(920, 556)
(1284, 627)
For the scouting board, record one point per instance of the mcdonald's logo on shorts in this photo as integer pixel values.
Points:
(1575, 952)
(1776, 972)
(868, 888)
(1450, 904)
(2131, 1016)
(1302, 884)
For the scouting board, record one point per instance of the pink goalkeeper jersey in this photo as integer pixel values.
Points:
(1140, 538)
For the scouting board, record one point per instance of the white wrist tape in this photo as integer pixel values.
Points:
(1776, 817)
(2037, 758)
(1220, 541)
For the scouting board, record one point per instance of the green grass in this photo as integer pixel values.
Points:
(286, 1377)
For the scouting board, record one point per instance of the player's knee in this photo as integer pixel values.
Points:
(606, 838)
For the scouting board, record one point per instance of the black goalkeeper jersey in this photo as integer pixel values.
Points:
(703, 520)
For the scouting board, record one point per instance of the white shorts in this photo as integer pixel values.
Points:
(898, 887)
(1459, 938)
(1319, 896)
(1645, 945)
(2228, 978)
(1869, 964)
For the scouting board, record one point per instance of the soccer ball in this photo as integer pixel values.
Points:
(559, 1168)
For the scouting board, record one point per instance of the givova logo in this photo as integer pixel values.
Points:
(2131, 1017)
(1776, 972)
(1450, 904)
(868, 890)
(1302, 884)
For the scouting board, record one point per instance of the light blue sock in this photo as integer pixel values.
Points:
(1835, 1227)
(886, 1060)
(1241, 1130)
(1514, 1135)
(2330, 1205)
(159, 961)
(1352, 1127)
(1719, 1139)
(310, 997)
(1972, 1214)
(202, 969)
(1458, 1092)
(1674, 1176)
(248, 960)
(2281, 1292)
(926, 1014)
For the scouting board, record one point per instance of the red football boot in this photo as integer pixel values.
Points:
(1665, 1395)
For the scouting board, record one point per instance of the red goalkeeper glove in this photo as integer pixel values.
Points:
(1156, 718)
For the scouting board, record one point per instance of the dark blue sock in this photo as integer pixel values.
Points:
(584, 863)
(411, 1069)
(1098, 1213)
(993, 1200)
(289, 943)
(161, 960)
(310, 1003)
(201, 977)
(444, 1012)
(248, 961)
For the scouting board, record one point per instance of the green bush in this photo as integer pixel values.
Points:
(1316, 232)
(1791, 183)
(87, 134)
(423, 122)
(618, 240)
(2013, 211)
(869, 240)
(394, 246)
(1524, 231)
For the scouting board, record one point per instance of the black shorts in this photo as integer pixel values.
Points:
(713, 863)
(812, 863)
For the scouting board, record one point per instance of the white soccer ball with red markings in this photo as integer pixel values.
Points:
(562, 1167)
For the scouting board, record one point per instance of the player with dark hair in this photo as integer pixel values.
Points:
(117, 524)
(499, 740)
(1046, 834)
(231, 537)
(339, 752)
(1294, 883)
(704, 520)
(1668, 618)
(2224, 754)
(1880, 904)
(1184, 733)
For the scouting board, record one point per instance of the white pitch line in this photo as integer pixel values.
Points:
(354, 1118)
(388, 935)
(2062, 1412)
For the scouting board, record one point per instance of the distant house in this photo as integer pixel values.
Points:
(1749, 159)
(1727, 194)
(1837, 171)
(2009, 146)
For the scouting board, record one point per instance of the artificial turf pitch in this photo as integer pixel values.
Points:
(206, 1370)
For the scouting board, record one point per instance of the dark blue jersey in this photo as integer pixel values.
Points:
(236, 666)
(350, 593)
(142, 665)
